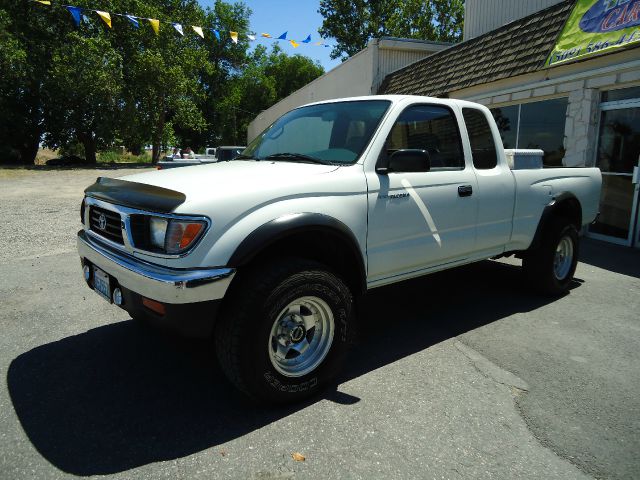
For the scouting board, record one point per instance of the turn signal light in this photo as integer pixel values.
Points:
(154, 306)
(181, 234)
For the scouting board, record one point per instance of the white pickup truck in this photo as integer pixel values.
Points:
(271, 253)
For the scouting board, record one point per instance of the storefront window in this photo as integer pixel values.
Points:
(507, 121)
(621, 94)
(535, 125)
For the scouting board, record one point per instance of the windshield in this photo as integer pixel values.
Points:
(335, 133)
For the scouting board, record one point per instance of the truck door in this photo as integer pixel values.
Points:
(496, 184)
(425, 218)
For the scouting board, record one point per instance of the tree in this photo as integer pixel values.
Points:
(83, 94)
(354, 22)
(267, 78)
(101, 87)
(26, 38)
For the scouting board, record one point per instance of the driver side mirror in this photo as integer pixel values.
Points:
(406, 160)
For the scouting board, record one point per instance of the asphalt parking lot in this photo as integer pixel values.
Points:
(463, 374)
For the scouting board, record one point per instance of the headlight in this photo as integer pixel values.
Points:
(157, 231)
(164, 234)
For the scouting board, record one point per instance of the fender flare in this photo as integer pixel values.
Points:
(280, 228)
(552, 209)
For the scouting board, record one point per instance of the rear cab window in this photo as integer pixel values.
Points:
(483, 147)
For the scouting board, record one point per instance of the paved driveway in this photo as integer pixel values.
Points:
(464, 374)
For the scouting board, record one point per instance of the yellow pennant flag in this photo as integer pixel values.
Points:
(198, 30)
(319, 43)
(265, 35)
(105, 16)
(155, 24)
(294, 43)
(43, 2)
(234, 36)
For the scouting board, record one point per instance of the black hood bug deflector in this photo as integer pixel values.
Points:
(135, 195)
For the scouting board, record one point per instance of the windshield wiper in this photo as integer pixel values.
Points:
(298, 156)
(245, 157)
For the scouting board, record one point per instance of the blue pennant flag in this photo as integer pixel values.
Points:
(283, 36)
(178, 28)
(75, 13)
(133, 21)
(216, 33)
(307, 40)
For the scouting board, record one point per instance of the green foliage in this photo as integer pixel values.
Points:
(354, 22)
(116, 156)
(89, 85)
(83, 92)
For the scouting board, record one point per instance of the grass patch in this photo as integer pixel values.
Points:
(111, 157)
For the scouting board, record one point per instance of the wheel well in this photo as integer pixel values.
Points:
(323, 246)
(570, 209)
(566, 206)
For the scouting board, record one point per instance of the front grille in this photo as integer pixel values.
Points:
(140, 231)
(112, 228)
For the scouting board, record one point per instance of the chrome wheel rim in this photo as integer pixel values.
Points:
(563, 258)
(301, 336)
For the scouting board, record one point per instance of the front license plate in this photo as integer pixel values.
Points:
(101, 284)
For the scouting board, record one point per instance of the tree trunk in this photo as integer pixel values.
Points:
(28, 151)
(90, 149)
(158, 134)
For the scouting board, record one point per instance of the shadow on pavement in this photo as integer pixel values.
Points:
(608, 256)
(121, 396)
(94, 166)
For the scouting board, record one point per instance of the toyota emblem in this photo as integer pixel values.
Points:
(102, 222)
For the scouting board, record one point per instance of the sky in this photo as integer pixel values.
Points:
(297, 17)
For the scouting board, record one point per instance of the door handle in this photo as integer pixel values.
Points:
(465, 190)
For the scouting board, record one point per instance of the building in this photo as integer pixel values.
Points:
(580, 105)
(360, 75)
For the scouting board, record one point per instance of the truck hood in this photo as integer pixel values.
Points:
(203, 183)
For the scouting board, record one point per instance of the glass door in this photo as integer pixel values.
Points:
(617, 156)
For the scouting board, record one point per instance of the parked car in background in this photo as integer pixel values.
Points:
(224, 154)
(212, 155)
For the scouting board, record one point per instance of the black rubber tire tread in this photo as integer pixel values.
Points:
(538, 263)
(247, 297)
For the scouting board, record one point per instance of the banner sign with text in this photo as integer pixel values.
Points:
(595, 27)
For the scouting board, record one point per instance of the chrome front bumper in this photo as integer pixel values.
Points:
(159, 283)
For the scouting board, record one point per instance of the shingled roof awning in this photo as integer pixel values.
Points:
(520, 47)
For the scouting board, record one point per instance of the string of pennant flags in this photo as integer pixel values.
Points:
(78, 15)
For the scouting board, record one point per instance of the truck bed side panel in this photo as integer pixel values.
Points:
(535, 189)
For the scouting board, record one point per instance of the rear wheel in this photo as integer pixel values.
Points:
(551, 266)
(284, 332)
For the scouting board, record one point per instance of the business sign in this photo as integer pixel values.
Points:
(595, 27)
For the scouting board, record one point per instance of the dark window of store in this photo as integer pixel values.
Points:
(537, 125)
(621, 94)
(507, 120)
(483, 148)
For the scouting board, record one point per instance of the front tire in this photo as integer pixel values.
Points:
(285, 331)
(551, 266)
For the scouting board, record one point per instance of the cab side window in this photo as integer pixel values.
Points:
(483, 148)
(432, 128)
